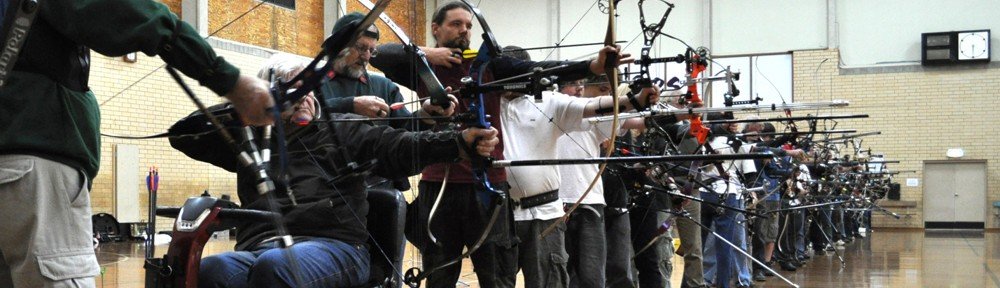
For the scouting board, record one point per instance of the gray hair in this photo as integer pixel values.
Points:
(284, 66)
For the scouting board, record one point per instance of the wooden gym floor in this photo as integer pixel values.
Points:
(886, 259)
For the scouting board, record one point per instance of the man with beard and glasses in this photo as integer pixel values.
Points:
(460, 219)
(353, 90)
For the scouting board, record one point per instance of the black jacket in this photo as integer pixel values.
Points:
(324, 208)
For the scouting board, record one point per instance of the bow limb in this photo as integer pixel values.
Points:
(611, 70)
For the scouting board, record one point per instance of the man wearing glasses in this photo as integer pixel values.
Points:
(353, 90)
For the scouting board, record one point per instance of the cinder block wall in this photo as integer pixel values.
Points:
(921, 114)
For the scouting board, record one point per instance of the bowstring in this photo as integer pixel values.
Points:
(165, 65)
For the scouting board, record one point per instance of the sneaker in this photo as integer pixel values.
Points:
(840, 243)
(829, 248)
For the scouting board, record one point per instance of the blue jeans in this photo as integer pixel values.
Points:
(322, 262)
(723, 265)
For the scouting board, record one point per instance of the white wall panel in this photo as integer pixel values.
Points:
(888, 31)
(768, 26)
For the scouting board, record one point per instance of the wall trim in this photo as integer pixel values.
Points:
(243, 48)
(953, 161)
(910, 68)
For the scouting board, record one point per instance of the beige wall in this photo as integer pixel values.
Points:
(920, 113)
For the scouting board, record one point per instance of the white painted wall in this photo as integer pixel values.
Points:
(532, 23)
(888, 32)
(768, 26)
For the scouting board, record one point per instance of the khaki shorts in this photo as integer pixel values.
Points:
(50, 244)
(767, 229)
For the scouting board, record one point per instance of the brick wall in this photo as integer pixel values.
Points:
(298, 31)
(150, 107)
(921, 114)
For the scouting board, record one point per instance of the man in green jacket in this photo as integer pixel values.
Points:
(49, 122)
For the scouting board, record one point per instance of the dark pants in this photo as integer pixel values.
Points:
(653, 264)
(821, 227)
(851, 223)
(691, 246)
(791, 240)
(586, 245)
(322, 262)
(543, 261)
(619, 270)
(458, 223)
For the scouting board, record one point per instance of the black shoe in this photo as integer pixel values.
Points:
(759, 275)
(859, 236)
(787, 266)
(820, 252)
(806, 257)
(768, 273)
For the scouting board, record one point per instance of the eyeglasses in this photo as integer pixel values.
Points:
(361, 49)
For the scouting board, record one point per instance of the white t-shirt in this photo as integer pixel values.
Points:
(732, 167)
(576, 178)
(530, 133)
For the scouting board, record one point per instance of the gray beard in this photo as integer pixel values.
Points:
(344, 69)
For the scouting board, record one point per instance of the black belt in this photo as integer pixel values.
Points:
(537, 200)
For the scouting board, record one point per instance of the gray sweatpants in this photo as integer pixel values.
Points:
(45, 218)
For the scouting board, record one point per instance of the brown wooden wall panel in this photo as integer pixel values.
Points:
(409, 15)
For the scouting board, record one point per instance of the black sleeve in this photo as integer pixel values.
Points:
(400, 153)
(504, 67)
(781, 140)
(393, 60)
(776, 151)
(775, 170)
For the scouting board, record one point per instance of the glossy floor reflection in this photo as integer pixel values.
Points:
(886, 259)
(906, 259)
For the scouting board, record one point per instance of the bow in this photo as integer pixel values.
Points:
(257, 159)
(476, 117)
(649, 34)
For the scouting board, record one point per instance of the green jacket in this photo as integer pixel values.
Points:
(47, 109)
